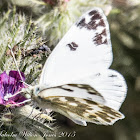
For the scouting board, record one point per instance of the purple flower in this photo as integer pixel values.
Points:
(9, 85)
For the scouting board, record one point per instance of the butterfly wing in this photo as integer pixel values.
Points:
(73, 90)
(81, 111)
(82, 58)
(110, 84)
(84, 50)
(96, 98)
(107, 87)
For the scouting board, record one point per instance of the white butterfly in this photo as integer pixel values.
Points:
(76, 81)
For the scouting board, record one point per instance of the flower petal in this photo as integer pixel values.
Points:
(16, 75)
(3, 84)
(10, 85)
(1, 100)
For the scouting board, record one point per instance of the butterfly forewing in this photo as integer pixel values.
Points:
(73, 90)
(84, 50)
(110, 84)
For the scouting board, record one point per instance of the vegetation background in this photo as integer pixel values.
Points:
(40, 22)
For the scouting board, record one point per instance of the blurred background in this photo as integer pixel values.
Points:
(50, 20)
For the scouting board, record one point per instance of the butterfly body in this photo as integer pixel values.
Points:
(76, 80)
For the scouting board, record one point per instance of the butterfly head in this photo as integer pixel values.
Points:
(35, 90)
(33, 93)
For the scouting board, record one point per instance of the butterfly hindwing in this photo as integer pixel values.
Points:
(84, 50)
(82, 103)
(81, 110)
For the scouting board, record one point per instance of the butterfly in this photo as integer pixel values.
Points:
(76, 80)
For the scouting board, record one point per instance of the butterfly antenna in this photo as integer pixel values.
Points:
(16, 63)
(28, 100)
(26, 84)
